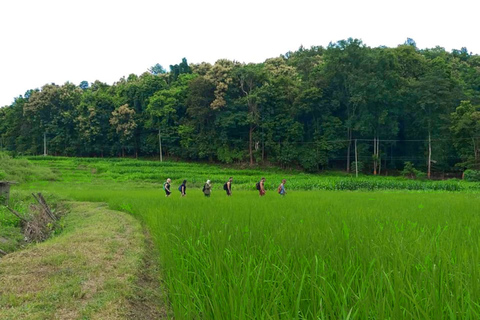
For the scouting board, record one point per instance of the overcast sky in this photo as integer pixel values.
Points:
(45, 41)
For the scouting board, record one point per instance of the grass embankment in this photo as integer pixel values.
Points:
(98, 171)
(90, 271)
(22, 170)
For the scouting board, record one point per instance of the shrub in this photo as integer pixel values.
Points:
(361, 166)
(472, 175)
(410, 171)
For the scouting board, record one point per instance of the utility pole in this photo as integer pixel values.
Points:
(356, 160)
(429, 155)
(45, 144)
(160, 143)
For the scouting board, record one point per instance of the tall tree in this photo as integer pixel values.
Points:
(123, 120)
(465, 127)
(435, 91)
(344, 62)
(250, 80)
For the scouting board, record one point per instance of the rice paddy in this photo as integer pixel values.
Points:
(317, 254)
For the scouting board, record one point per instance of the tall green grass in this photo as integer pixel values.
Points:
(311, 255)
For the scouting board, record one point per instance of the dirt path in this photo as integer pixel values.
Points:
(100, 267)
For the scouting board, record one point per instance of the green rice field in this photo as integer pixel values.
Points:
(390, 249)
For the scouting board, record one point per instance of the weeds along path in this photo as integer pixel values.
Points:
(94, 269)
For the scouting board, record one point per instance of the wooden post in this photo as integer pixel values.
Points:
(44, 202)
(4, 192)
(349, 133)
(379, 161)
(429, 166)
(3, 252)
(356, 159)
(49, 213)
(160, 143)
(45, 144)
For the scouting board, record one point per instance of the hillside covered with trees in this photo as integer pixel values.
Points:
(307, 108)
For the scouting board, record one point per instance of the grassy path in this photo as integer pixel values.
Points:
(97, 268)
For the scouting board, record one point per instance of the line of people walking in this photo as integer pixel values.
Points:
(207, 187)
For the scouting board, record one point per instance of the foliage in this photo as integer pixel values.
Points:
(410, 171)
(472, 175)
(465, 126)
(357, 165)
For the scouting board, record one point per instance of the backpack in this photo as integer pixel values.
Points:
(257, 185)
(164, 186)
(225, 186)
(203, 190)
(180, 188)
(279, 189)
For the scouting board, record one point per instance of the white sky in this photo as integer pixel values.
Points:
(44, 41)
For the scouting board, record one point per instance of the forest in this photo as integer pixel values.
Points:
(344, 106)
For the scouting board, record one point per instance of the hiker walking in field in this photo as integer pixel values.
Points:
(261, 187)
(166, 187)
(228, 186)
(183, 188)
(281, 188)
(207, 188)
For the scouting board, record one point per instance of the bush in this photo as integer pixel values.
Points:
(472, 175)
(361, 166)
(409, 171)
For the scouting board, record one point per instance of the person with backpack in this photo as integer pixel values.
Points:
(228, 186)
(166, 187)
(207, 188)
(183, 188)
(281, 188)
(261, 187)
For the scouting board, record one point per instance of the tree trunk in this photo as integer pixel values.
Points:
(475, 151)
(250, 143)
(375, 156)
(349, 133)
(379, 161)
(263, 151)
(429, 166)
(356, 159)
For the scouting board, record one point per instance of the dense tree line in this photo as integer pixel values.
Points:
(310, 108)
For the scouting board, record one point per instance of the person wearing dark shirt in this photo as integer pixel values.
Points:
(166, 187)
(183, 188)
(228, 186)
